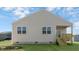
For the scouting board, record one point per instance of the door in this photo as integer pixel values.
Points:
(58, 33)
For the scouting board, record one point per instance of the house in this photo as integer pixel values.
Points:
(41, 27)
(76, 38)
(5, 35)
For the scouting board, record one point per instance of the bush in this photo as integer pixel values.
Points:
(7, 39)
(1, 39)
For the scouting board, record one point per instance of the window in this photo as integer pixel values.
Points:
(24, 30)
(19, 30)
(46, 30)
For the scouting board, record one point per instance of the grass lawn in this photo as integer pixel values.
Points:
(43, 47)
(50, 47)
(5, 43)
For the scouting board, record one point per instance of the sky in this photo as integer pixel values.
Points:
(10, 14)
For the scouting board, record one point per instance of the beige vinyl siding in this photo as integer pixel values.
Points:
(34, 24)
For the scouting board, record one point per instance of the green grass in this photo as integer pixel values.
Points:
(5, 43)
(50, 47)
(43, 47)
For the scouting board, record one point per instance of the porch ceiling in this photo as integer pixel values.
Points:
(62, 26)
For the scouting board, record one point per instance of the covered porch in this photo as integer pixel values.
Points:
(62, 34)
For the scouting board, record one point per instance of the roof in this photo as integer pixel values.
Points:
(44, 12)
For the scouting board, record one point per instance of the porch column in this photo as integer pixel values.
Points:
(72, 38)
